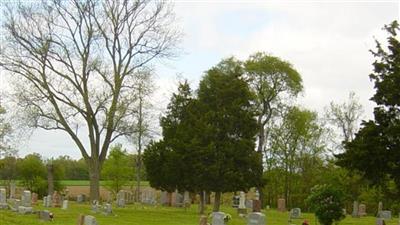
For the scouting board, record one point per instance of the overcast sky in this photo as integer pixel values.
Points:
(328, 42)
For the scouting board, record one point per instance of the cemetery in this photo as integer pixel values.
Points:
(144, 112)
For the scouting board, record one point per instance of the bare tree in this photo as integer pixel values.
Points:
(144, 88)
(345, 117)
(76, 62)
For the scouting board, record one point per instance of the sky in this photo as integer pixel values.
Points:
(328, 42)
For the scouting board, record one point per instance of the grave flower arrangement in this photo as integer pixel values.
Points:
(227, 217)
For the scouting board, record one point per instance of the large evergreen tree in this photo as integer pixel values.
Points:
(375, 150)
(228, 140)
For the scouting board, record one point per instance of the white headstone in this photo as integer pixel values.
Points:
(65, 204)
(242, 200)
(218, 218)
(121, 199)
(256, 218)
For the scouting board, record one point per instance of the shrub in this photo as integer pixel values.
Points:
(327, 202)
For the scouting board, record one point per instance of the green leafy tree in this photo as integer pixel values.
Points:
(375, 150)
(117, 169)
(327, 203)
(228, 130)
(296, 144)
(272, 80)
(32, 173)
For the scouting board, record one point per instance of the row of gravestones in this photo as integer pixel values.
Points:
(220, 218)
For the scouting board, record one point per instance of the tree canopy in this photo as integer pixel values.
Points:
(375, 150)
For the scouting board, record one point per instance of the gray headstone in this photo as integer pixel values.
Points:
(379, 221)
(249, 204)
(107, 210)
(380, 207)
(179, 199)
(256, 218)
(121, 199)
(385, 214)
(25, 210)
(3, 199)
(295, 213)
(164, 198)
(13, 186)
(26, 199)
(65, 205)
(95, 206)
(90, 220)
(44, 215)
(15, 203)
(80, 198)
(49, 201)
(218, 218)
(355, 209)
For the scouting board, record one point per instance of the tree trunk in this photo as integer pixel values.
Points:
(217, 201)
(50, 179)
(261, 141)
(202, 202)
(94, 175)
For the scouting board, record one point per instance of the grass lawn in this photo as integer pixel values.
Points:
(149, 215)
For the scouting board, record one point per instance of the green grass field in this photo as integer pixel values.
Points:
(153, 215)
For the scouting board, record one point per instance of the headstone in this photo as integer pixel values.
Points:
(90, 220)
(295, 213)
(203, 220)
(34, 198)
(80, 198)
(26, 199)
(164, 198)
(44, 201)
(235, 201)
(218, 218)
(3, 199)
(95, 206)
(249, 204)
(12, 189)
(44, 215)
(355, 209)
(256, 218)
(380, 221)
(81, 219)
(386, 214)
(281, 205)
(48, 201)
(107, 210)
(56, 199)
(179, 200)
(256, 205)
(25, 210)
(362, 210)
(242, 210)
(186, 199)
(109, 197)
(121, 199)
(14, 204)
(65, 205)
(380, 207)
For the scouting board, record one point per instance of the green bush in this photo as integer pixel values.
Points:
(327, 203)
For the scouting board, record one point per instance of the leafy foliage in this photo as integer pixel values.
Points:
(117, 169)
(375, 150)
(327, 203)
